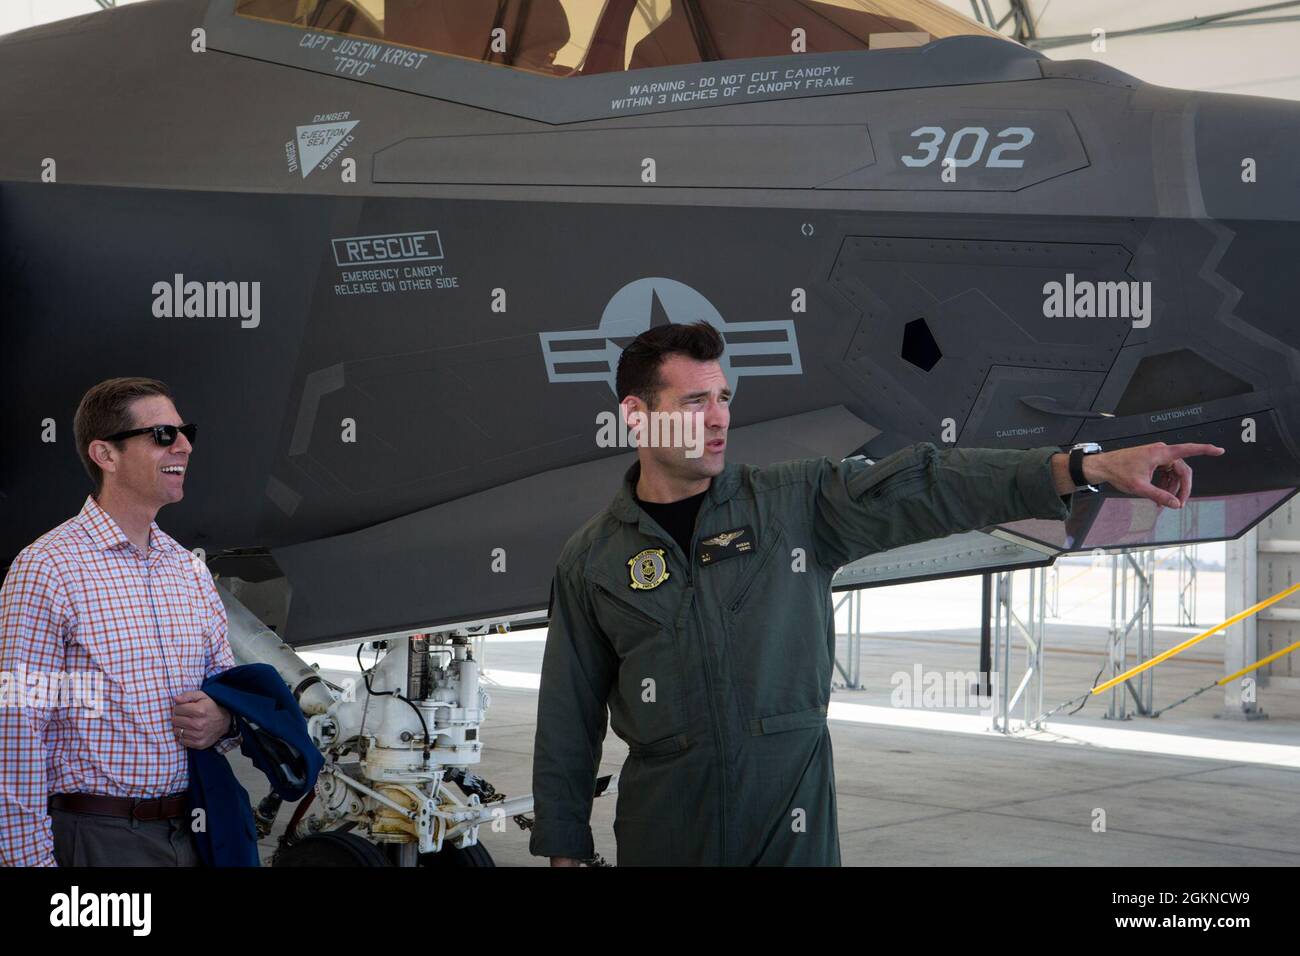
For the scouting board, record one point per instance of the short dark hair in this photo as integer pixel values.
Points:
(106, 410)
(638, 366)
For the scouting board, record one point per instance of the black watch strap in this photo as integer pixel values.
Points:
(1076, 469)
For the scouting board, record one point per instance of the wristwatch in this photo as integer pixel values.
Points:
(1077, 454)
(233, 731)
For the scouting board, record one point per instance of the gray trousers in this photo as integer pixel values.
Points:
(89, 839)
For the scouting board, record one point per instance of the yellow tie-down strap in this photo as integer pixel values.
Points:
(1178, 649)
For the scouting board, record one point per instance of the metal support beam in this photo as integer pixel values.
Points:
(1187, 586)
(1026, 30)
(1138, 625)
(1240, 643)
(986, 635)
(1007, 626)
(851, 667)
(1052, 607)
(1229, 18)
(1018, 22)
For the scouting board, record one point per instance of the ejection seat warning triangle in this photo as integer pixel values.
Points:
(317, 141)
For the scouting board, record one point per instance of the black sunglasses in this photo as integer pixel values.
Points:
(162, 434)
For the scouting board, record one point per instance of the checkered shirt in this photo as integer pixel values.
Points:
(112, 634)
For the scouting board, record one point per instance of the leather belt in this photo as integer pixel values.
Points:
(153, 808)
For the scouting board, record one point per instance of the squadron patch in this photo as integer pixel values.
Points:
(648, 569)
(728, 544)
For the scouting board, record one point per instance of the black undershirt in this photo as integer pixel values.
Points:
(676, 517)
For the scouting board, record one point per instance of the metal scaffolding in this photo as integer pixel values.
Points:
(1018, 21)
(1007, 626)
(851, 668)
(1133, 570)
(1187, 586)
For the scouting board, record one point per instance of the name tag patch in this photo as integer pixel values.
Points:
(728, 544)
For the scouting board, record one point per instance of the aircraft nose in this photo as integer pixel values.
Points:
(1246, 149)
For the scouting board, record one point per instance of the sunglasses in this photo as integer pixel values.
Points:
(162, 434)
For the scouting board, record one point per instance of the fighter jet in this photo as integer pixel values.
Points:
(387, 255)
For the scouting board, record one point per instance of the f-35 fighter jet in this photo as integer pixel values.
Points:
(387, 254)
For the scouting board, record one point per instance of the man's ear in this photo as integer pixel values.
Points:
(101, 453)
(632, 410)
(627, 407)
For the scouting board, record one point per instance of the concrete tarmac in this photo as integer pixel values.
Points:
(922, 786)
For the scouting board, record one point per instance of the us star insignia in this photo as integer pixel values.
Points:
(648, 569)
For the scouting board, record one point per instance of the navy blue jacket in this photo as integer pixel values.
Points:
(275, 739)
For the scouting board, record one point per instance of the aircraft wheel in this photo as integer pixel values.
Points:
(453, 856)
(331, 849)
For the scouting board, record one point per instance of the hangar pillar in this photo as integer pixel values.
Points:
(1261, 563)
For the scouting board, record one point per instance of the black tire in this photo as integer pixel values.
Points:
(453, 856)
(331, 849)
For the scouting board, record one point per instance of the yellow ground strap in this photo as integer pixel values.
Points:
(1178, 649)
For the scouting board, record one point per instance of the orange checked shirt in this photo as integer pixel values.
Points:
(97, 639)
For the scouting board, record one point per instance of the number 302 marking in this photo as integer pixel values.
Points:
(934, 137)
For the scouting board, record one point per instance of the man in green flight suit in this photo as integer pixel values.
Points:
(695, 614)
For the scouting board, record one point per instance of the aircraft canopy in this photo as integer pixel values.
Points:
(583, 37)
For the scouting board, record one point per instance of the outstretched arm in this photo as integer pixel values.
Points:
(923, 492)
(1156, 471)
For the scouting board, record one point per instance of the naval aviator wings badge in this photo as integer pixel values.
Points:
(728, 544)
(648, 569)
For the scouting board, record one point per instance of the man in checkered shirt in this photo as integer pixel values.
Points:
(108, 601)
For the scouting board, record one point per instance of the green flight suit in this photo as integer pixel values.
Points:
(718, 676)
